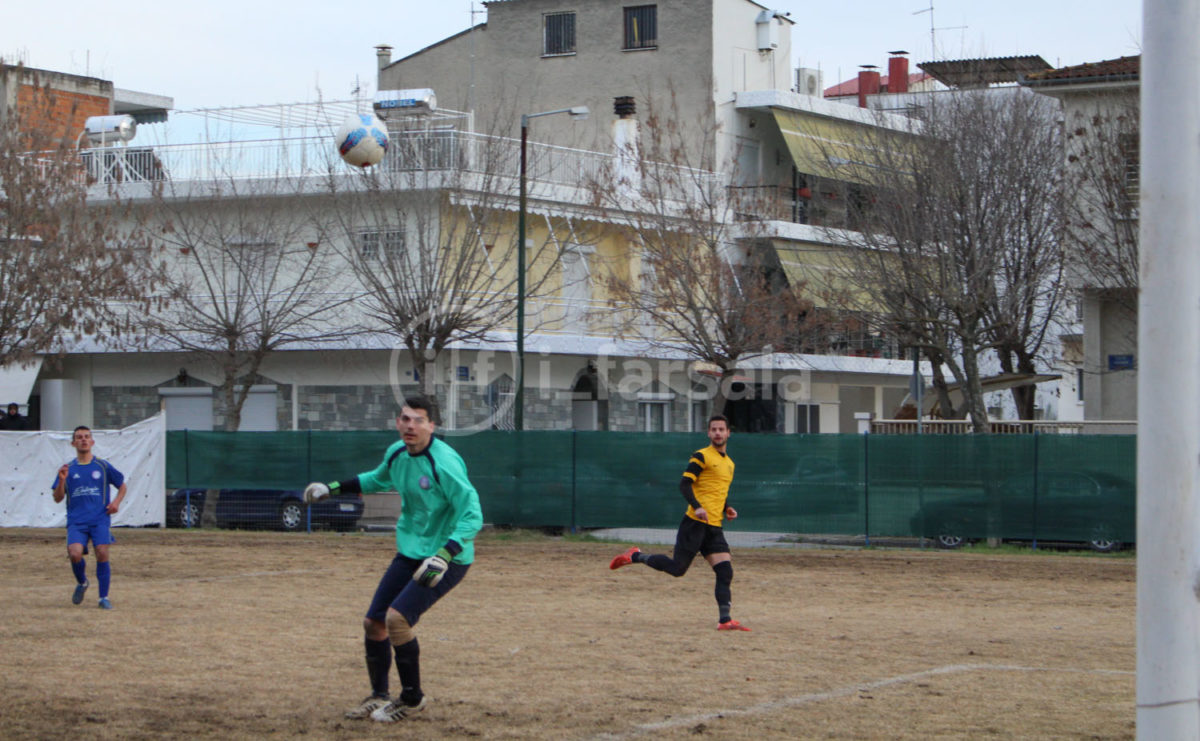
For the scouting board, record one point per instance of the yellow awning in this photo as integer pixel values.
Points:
(821, 271)
(833, 149)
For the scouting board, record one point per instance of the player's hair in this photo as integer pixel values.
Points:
(422, 404)
(80, 427)
(718, 418)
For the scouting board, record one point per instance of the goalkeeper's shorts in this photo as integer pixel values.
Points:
(398, 591)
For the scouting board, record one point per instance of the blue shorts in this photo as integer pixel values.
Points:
(99, 532)
(398, 591)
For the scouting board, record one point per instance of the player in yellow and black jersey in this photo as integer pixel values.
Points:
(705, 486)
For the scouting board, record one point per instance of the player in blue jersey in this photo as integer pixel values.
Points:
(435, 536)
(85, 483)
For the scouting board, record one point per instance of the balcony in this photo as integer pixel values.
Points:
(417, 146)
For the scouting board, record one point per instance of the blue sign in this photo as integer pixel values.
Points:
(1120, 362)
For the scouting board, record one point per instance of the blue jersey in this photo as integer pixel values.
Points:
(87, 490)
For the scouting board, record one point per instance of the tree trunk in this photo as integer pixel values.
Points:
(973, 390)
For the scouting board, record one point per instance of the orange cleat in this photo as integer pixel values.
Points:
(624, 559)
(732, 625)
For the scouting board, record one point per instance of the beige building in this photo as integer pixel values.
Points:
(1100, 111)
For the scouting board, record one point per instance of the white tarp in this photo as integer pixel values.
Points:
(16, 382)
(29, 462)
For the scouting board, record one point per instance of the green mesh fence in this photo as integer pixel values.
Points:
(1028, 487)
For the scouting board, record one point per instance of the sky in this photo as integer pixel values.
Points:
(248, 52)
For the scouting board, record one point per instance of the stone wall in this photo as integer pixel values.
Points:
(114, 407)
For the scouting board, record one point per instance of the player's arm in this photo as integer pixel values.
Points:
(685, 488)
(694, 468)
(370, 482)
(60, 488)
(317, 491)
(115, 504)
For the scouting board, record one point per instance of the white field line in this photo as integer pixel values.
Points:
(787, 702)
(135, 583)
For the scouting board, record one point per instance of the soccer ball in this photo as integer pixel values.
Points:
(362, 140)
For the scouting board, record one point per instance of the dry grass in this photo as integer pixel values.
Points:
(257, 635)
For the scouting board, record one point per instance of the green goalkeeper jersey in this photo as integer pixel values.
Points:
(438, 502)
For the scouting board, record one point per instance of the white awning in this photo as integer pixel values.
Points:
(16, 382)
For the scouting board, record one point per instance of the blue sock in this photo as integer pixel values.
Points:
(103, 575)
(80, 569)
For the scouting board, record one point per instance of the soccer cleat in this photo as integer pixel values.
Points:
(732, 625)
(624, 559)
(397, 710)
(77, 597)
(366, 707)
(104, 604)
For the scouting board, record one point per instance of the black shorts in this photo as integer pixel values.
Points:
(698, 537)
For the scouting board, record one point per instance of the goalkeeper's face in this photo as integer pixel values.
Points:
(415, 427)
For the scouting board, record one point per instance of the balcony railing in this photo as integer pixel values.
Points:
(431, 150)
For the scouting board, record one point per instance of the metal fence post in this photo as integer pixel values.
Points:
(866, 438)
(1036, 476)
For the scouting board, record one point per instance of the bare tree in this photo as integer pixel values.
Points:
(1102, 224)
(698, 281)
(957, 245)
(69, 266)
(247, 277)
(430, 234)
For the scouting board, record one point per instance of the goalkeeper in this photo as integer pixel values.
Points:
(439, 518)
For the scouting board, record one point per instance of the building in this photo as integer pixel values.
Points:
(1100, 113)
(755, 139)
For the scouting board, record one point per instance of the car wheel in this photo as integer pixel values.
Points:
(1102, 540)
(291, 516)
(189, 514)
(948, 541)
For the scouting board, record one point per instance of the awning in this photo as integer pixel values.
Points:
(817, 270)
(16, 382)
(835, 149)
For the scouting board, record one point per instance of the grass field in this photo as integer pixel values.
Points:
(238, 635)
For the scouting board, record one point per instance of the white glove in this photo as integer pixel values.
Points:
(432, 569)
(315, 492)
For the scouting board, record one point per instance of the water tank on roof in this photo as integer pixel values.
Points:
(110, 129)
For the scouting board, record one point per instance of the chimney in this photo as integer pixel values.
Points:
(383, 53)
(897, 72)
(868, 83)
(626, 150)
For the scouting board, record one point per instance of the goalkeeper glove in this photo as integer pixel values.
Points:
(316, 491)
(432, 569)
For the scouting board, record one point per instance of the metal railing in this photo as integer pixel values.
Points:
(433, 150)
(1003, 427)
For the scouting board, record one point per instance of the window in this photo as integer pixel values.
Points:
(558, 34)
(1079, 384)
(655, 416)
(641, 27)
(699, 412)
(1127, 145)
(576, 284)
(377, 244)
(808, 419)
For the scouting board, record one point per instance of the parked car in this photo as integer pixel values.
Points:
(1096, 509)
(283, 509)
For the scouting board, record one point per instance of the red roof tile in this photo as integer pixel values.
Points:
(1125, 67)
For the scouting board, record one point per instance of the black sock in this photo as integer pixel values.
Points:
(379, 665)
(722, 592)
(408, 666)
(665, 564)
